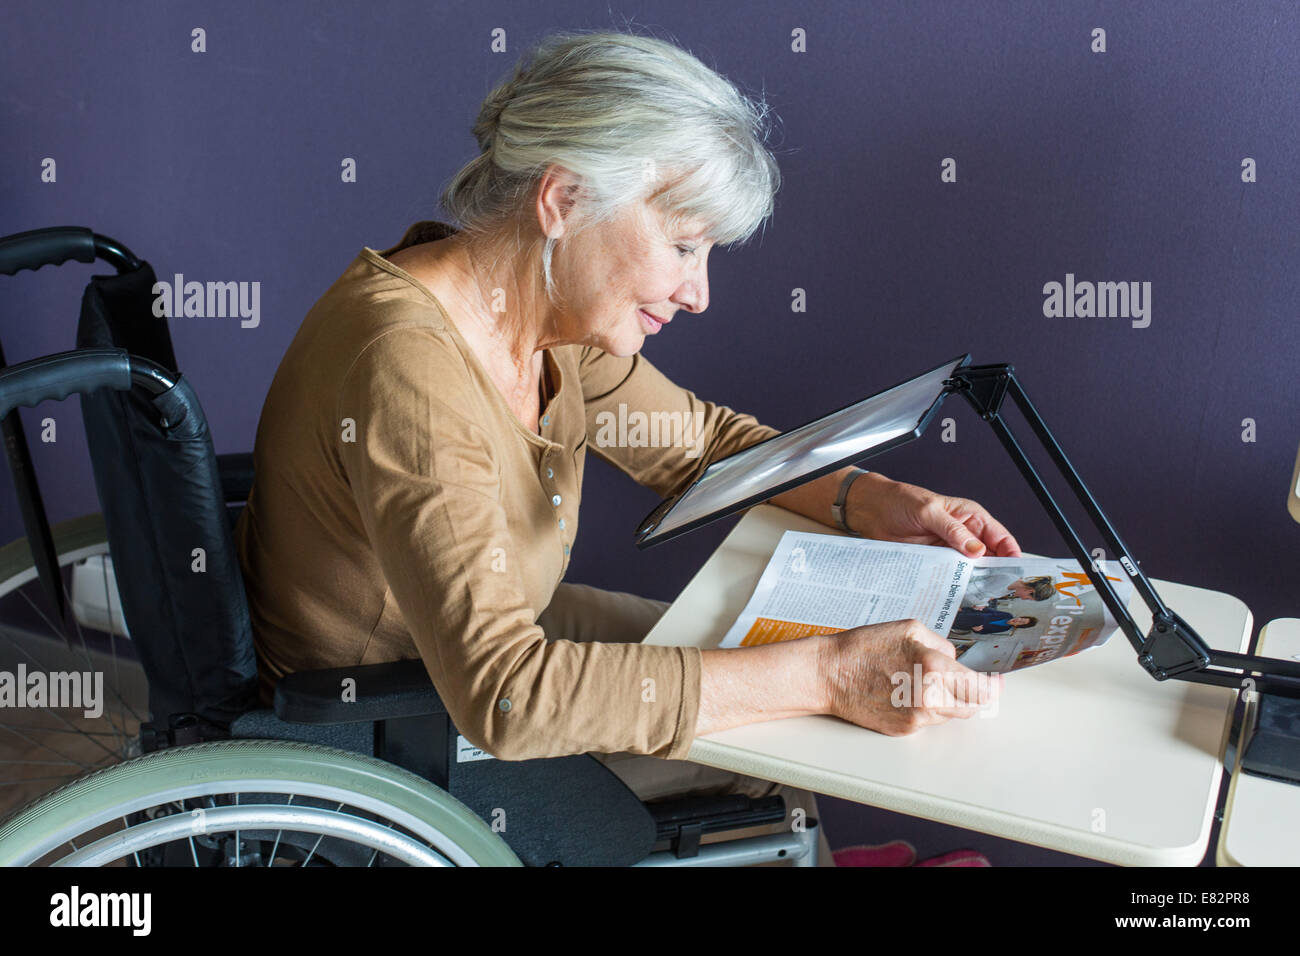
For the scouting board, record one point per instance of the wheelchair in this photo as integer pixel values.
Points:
(183, 767)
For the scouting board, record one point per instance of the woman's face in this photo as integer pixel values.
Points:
(617, 275)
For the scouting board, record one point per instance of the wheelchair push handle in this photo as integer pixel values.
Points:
(46, 247)
(56, 245)
(83, 370)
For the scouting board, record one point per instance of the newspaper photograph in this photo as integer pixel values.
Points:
(1001, 614)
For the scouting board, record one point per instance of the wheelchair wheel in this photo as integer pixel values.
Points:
(43, 747)
(250, 803)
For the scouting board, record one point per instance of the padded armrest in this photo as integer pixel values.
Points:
(382, 692)
(236, 473)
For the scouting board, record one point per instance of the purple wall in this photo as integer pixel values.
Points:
(1122, 166)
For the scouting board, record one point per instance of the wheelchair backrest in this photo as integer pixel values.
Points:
(178, 575)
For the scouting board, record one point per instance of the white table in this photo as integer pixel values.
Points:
(1261, 820)
(1089, 755)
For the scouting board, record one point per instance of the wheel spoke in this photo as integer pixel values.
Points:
(60, 730)
(112, 637)
(319, 838)
(54, 712)
(44, 746)
(85, 652)
(278, 834)
(89, 665)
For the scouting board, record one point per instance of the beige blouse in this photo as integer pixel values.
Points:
(401, 509)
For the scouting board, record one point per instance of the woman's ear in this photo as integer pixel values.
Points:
(556, 196)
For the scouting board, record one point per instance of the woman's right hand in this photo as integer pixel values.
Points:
(871, 676)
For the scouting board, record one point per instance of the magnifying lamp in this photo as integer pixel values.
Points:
(1171, 650)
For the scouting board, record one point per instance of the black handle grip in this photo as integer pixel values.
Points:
(59, 375)
(46, 247)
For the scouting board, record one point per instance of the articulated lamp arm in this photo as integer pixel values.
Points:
(1172, 648)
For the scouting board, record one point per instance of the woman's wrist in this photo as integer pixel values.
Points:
(814, 499)
(746, 685)
(862, 496)
(839, 512)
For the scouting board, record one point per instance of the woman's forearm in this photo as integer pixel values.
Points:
(741, 686)
(814, 498)
(748, 684)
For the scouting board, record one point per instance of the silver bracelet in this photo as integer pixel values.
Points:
(837, 509)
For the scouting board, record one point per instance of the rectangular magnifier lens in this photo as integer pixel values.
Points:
(873, 425)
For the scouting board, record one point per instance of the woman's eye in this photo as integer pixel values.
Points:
(685, 251)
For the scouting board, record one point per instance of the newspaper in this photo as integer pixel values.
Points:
(1001, 614)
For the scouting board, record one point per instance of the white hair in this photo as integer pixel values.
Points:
(634, 118)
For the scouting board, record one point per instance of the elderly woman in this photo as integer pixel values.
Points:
(419, 458)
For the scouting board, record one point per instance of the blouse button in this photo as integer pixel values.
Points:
(504, 704)
(550, 473)
(546, 419)
(555, 500)
(566, 549)
(561, 522)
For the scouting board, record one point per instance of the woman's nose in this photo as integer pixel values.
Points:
(693, 294)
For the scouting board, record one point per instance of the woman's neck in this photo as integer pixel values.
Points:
(507, 345)
(499, 297)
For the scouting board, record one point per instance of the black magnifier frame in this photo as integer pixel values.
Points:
(725, 481)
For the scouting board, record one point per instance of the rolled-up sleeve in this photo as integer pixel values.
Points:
(655, 431)
(426, 480)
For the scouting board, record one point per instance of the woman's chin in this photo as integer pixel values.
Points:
(625, 345)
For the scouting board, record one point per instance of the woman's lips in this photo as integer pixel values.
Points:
(652, 324)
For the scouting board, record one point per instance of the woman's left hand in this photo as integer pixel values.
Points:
(878, 507)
